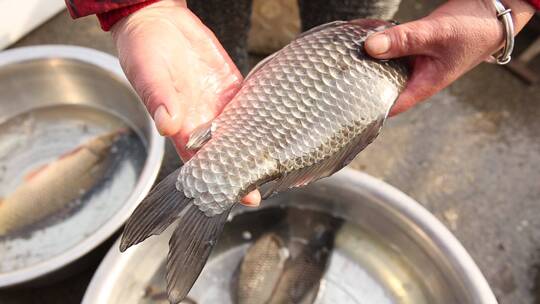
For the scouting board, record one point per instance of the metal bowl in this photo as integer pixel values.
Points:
(398, 252)
(69, 77)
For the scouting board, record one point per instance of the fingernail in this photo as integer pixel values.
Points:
(162, 119)
(252, 199)
(378, 44)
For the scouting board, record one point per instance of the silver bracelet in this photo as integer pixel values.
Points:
(505, 16)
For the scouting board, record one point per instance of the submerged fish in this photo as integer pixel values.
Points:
(156, 295)
(301, 115)
(260, 270)
(287, 267)
(50, 188)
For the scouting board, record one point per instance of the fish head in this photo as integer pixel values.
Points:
(103, 144)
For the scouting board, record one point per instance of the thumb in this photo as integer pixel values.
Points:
(161, 100)
(413, 38)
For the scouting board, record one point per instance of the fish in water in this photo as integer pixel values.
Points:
(287, 267)
(48, 189)
(260, 270)
(301, 115)
(156, 295)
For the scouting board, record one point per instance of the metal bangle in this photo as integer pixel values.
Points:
(505, 16)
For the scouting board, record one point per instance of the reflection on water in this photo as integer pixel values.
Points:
(362, 269)
(34, 139)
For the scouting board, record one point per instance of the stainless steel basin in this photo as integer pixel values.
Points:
(391, 250)
(59, 83)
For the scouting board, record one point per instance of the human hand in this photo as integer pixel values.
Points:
(453, 39)
(178, 68)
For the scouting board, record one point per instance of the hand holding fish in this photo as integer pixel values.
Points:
(301, 115)
(177, 66)
(185, 77)
(452, 40)
(180, 70)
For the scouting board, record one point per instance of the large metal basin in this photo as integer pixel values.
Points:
(398, 253)
(58, 81)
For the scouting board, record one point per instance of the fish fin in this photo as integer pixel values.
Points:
(201, 135)
(321, 27)
(155, 213)
(327, 167)
(35, 172)
(260, 64)
(70, 152)
(189, 249)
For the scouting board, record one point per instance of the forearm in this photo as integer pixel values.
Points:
(522, 11)
(109, 12)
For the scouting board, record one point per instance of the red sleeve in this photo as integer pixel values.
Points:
(110, 11)
(81, 8)
(107, 11)
(535, 3)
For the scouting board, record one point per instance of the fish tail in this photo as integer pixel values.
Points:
(191, 242)
(189, 249)
(161, 207)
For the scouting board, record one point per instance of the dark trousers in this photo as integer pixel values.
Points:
(229, 19)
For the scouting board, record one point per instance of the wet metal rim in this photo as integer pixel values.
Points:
(114, 264)
(156, 145)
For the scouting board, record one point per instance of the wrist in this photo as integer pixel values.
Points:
(513, 15)
(150, 13)
(535, 4)
(522, 12)
(111, 20)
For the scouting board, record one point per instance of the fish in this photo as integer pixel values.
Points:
(259, 272)
(48, 189)
(287, 267)
(156, 295)
(301, 114)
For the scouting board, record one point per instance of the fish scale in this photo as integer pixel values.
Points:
(316, 85)
(301, 115)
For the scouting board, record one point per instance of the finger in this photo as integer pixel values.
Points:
(411, 38)
(179, 141)
(252, 199)
(161, 101)
(152, 82)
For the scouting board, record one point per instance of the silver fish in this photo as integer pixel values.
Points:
(301, 115)
(50, 188)
(287, 265)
